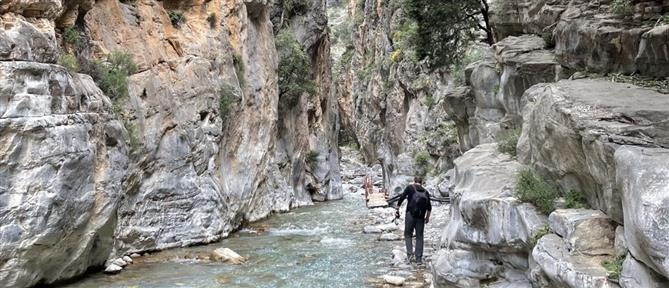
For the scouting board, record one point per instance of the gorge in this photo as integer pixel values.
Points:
(146, 127)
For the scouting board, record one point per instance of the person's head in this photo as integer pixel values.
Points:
(418, 180)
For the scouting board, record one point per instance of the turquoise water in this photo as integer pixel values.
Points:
(316, 246)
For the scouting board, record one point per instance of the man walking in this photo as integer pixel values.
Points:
(417, 215)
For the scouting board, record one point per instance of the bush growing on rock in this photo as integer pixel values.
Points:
(293, 69)
(531, 188)
(536, 236)
(575, 199)
(614, 267)
(71, 35)
(507, 141)
(112, 76)
(69, 62)
(422, 161)
(240, 69)
(176, 18)
(312, 158)
(226, 101)
(295, 7)
(622, 7)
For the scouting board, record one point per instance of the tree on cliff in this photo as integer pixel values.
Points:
(445, 28)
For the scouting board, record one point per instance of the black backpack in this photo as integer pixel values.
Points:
(419, 202)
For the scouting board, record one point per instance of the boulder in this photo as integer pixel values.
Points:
(394, 280)
(28, 40)
(572, 128)
(620, 243)
(652, 58)
(585, 231)
(113, 269)
(484, 210)
(119, 262)
(643, 177)
(389, 237)
(635, 275)
(554, 266)
(127, 259)
(464, 268)
(227, 255)
(135, 255)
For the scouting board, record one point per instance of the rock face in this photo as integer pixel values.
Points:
(571, 130)
(388, 101)
(488, 234)
(85, 178)
(585, 231)
(643, 176)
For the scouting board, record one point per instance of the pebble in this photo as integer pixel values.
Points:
(113, 269)
(227, 255)
(135, 255)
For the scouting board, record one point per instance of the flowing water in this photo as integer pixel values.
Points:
(316, 246)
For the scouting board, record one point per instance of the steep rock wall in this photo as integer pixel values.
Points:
(166, 166)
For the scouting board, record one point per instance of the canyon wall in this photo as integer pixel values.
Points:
(199, 145)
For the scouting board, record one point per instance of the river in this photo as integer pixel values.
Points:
(316, 246)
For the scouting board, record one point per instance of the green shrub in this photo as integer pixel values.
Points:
(614, 267)
(458, 69)
(176, 18)
(422, 161)
(622, 7)
(226, 101)
(133, 135)
(212, 19)
(69, 62)
(294, 72)
(112, 77)
(71, 35)
(240, 69)
(295, 7)
(312, 158)
(429, 101)
(575, 199)
(531, 188)
(536, 236)
(507, 141)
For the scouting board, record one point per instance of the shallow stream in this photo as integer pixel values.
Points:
(317, 246)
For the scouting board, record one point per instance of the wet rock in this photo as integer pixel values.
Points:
(376, 229)
(399, 257)
(394, 280)
(586, 231)
(389, 237)
(113, 269)
(584, 122)
(644, 180)
(127, 259)
(372, 230)
(463, 268)
(119, 262)
(135, 255)
(227, 255)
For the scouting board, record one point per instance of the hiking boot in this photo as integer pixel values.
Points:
(410, 258)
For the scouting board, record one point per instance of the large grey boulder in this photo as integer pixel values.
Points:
(636, 274)
(484, 210)
(572, 128)
(643, 176)
(585, 231)
(553, 265)
(653, 58)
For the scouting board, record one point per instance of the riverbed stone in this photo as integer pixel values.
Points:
(113, 269)
(586, 231)
(119, 262)
(643, 176)
(394, 280)
(389, 237)
(227, 255)
(135, 255)
(127, 259)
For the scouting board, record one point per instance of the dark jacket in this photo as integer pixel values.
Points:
(408, 194)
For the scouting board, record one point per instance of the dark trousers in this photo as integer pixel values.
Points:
(410, 224)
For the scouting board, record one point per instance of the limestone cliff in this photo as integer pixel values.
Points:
(388, 100)
(199, 145)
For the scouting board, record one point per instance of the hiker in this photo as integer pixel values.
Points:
(417, 215)
(368, 185)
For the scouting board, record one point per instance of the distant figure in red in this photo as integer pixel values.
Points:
(368, 185)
